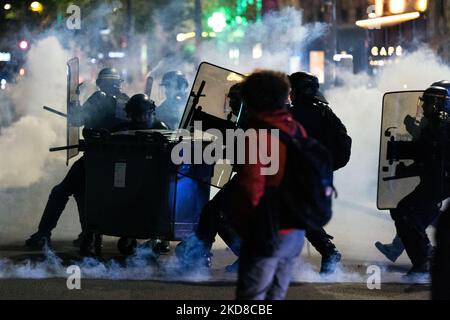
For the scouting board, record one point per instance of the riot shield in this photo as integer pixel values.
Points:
(209, 103)
(208, 99)
(400, 127)
(73, 102)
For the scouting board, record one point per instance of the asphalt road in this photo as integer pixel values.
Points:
(32, 275)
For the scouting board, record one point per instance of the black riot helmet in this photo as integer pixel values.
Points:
(139, 107)
(176, 80)
(436, 101)
(109, 81)
(442, 83)
(304, 86)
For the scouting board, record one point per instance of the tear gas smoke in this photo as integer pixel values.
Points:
(25, 144)
(278, 36)
(143, 266)
(356, 223)
(140, 266)
(28, 171)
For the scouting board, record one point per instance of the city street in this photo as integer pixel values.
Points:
(349, 282)
(126, 117)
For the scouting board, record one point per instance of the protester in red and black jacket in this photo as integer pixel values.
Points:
(266, 260)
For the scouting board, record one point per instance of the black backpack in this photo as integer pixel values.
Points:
(302, 201)
(338, 142)
(322, 124)
(306, 191)
(304, 197)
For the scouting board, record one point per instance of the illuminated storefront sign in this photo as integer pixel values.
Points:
(381, 56)
(386, 51)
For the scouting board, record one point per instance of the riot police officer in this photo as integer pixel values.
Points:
(175, 88)
(105, 108)
(394, 250)
(140, 111)
(417, 210)
(98, 112)
(215, 219)
(311, 109)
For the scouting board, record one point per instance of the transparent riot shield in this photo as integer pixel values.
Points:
(400, 126)
(73, 102)
(209, 104)
(208, 98)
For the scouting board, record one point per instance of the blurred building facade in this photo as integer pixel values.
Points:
(413, 23)
(439, 28)
(345, 44)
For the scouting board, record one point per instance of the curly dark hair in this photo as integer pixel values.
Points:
(265, 90)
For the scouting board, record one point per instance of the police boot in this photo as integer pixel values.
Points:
(417, 246)
(321, 241)
(193, 252)
(161, 246)
(418, 273)
(393, 250)
(87, 244)
(330, 258)
(38, 241)
(127, 246)
(77, 242)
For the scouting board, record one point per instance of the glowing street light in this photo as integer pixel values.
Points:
(23, 45)
(422, 5)
(36, 6)
(397, 6)
(379, 8)
(217, 21)
(7, 6)
(387, 20)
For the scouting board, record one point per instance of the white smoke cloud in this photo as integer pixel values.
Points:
(281, 34)
(357, 224)
(28, 170)
(143, 265)
(140, 266)
(359, 104)
(25, 144)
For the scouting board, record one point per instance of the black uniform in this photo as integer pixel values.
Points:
(215, 216)
(420, 208)
(171, 111)
(130, 126)
(323, 125)
(98, 112)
